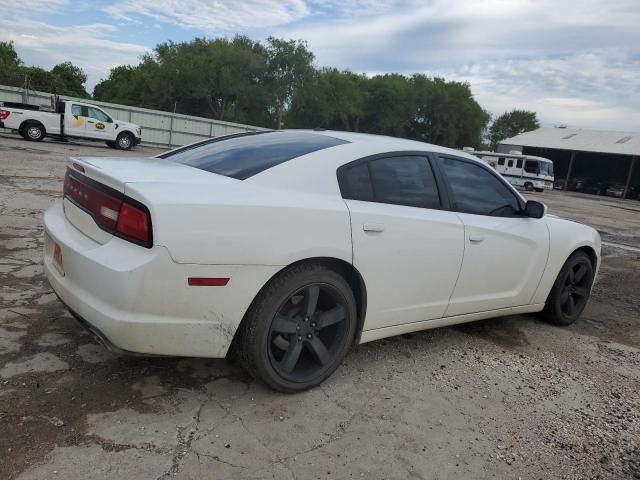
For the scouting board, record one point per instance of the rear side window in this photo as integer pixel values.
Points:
(476, 190)
(244, 156)
(519, 163)
(510, 164)
(356, 183)
(406, 181)
(76, 110)
(501, 161)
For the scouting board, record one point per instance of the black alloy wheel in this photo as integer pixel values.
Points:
(307, 332)
(571, 291)
(298, 329)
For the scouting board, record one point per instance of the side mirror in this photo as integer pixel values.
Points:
(535, 209)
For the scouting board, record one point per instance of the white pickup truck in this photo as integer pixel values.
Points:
(69, 119)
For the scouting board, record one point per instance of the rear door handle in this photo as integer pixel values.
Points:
(373, 227)
(476, 238)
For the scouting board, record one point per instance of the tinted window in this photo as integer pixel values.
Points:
(510, 163)
(245, 156)
(477, 190)
(356, 183)
(531, 166)
(519, 163)
(501, 161)
(404, 181)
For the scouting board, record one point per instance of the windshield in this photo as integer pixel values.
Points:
(246, 155)
(539, 168)
(546, 168)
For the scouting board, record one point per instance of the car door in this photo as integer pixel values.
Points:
(505, 252)
(99, 124)
(406, 247)
(76, 123)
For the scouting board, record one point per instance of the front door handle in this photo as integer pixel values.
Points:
(89, 121)
(474, 238)
(373, 227)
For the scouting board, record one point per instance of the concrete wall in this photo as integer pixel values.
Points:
(158, 128)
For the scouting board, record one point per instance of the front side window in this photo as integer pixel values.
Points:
(476, 190)
(241, 157)
(98, 114)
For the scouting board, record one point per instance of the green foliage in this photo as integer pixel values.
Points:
(8, 56)
(274, 83)
(63, 79)
(510, 124)
(70, 80)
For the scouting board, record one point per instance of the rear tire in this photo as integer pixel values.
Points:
(298, 329)
(528, 186)
(33, 131)
(571, 290)
(124, 141)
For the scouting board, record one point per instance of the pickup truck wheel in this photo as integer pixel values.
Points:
(34, 131)
(124, 141)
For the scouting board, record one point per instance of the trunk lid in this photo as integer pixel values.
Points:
(116, 174)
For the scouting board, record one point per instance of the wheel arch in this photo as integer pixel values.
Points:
(347, 270)
(591, 253)
(31, 121)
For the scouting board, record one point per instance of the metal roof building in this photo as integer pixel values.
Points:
(592, 161)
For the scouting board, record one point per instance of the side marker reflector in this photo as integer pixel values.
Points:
(207, 282)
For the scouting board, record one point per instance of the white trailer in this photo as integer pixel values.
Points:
(524, 171)
(69, 119)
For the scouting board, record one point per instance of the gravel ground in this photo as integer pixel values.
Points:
(504, 398)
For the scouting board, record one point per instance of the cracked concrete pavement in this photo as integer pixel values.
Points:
(504, 398)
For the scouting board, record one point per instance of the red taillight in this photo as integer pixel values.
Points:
(133, 222)
(110, 209)
(4, 114)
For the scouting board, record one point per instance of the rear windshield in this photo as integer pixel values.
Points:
(246, 155)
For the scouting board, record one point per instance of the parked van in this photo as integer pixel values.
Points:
(524, 171)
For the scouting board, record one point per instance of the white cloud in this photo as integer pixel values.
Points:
(87, 46)
(211, 15)
(592, 90)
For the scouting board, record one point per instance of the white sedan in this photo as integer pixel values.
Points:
(285, 248)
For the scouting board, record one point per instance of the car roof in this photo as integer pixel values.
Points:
(315, 172)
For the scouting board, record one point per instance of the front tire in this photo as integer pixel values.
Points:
(571, 290)
(528, 186)
(298, 329)
(124, 141)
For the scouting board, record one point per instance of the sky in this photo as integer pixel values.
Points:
(574, 62)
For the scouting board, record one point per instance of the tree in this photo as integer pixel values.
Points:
(70, 80)
(510, 124)
(289, 68)
(8, 56)
(388, 105)
(445, 113)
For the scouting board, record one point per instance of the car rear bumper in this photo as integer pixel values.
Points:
(138, 300)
